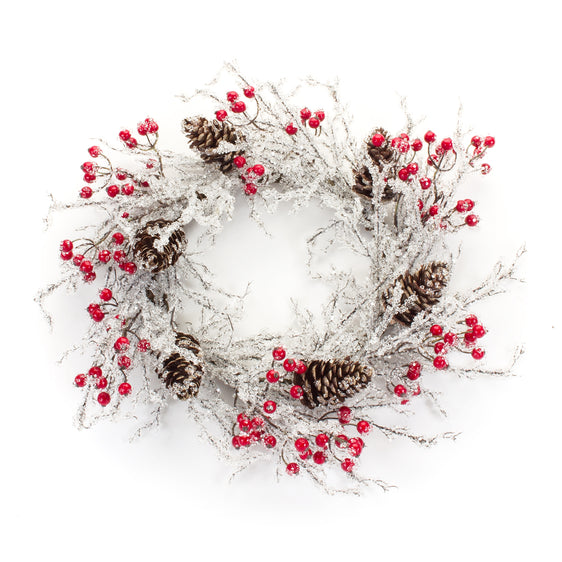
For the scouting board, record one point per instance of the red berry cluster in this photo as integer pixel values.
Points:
(145, 128)
(236, 104)
(95, 378)
(250, 431)
(290, 366)
(313, 121)
(477, 149)
(251, 176)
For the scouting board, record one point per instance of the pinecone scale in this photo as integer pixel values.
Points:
(149, 256)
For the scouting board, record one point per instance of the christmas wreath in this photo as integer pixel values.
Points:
(307, 399)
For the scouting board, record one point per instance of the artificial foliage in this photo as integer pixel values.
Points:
(306, 400)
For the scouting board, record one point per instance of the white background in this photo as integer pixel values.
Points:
(74, 70)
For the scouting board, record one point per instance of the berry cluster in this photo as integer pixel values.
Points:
(95, 379)
(236, 104)
(251, 176)
(251, 431)
(290, 366)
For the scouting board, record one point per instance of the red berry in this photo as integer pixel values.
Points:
(118, 238)
(433, 210)
(66, 256)
(313, 123)
(244, 440)
(414, 371)
(403, 174)
(121, 344)
(104, 256)
(94, 151)
(320, 115)
(88, 167)
(341, 441)
(417, 145)
(429, 136)
(446, 144)
(471, 320)
(412, 168)
(269, 441)
(401, 144)
(259, 170)
(417, 391)
(269, 406)
(249, 92)
(289, 365)
(86, 266)
(450, 338)
(124, 135)
(440, 362)
(301, 368)
(112, 190)
(485, 169)
(130, 268)
(86, 192)
(293, 468)
(231, 96)
(420, 204)
(432, 160)
(104, 398)
(77, 259)
(89, 178)
(469, 204)
(236, 442)
(291, 129)
(439, 348)
(363, 427)
(476, 141)
(239, 161)
(296, 392)
(377, 139)
(471, 220)
(344, 414)
(469, 338)
(322, 440)
(101, 383)
(221, 114)
(272, 376)
(250, 189)
(124, 362)
(127, 189)
(301, 444)
(425, 183)
(80, 380)
(436, 330)
(461, 207)
(355, 446)
(400, 390)
(305, 113)
(143, 345)
(238, 107)
(278, 354)
(90, 276)
(106, 294)
(66, 246)
(95, 372)
(319, 457)
(132, 143)
(119, 256)
(256, 422)
(479, 331)
(121, 175)
(124, 389)
(489, 142)
(142, 128)
(347, 465)
(478, 353)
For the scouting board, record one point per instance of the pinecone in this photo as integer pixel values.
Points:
(427, 284)
(330, 382)
(205, 136)
(381, 156)
(151, 258)
(182, 375)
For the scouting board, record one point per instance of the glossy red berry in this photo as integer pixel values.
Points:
(94, 151)
(400, 390)
(104, 398)
(450, 338)
(244, 440)
(363, 427)
(132, 143)
(436, 330)
(414, 371)
(471, 320)
(341, 441)
(319, 457)
(118, 238)
(121, 344)
(279, 354)
(101, 382)
(293, 468)
(130, 268)
(429, 136)
(344, 414)
(104, 256)
(236, 442)
(112, 190)
(489, 142)
(142, 128)
(420, 204)
(86, 192)
(89, 177)
(347, 465)
(106, 294)
(66, 246)
(290, 129)
(95, 372)
(305, 113)
(90, 276)
(269, 441)
(469, 338)
(478, 353)
(269, 406)
(238, 107)
(65, 256)
(476, 141)
(439, 348)
(301, 368)
(221, 115)
(231, 96)
(425, 183)
(239, 161)
(119, 256)
(417, 145)
(124, 135)
(80, 380)
(355, 446)
(127, 189)
(412, 168)
(301, 444)
(77, 259)
(403, 174)
(272, 376)
(313, 122)
(434, 210)
(250, 189)
(289, 365)
(469, 204)
(322, 440)
(86, 266)
(124, 362)
(121, 175)
(143, 345)
(259, 170)
(88, 167)
(440, 362)
(446, 144)
(485, 169)
(320, 115)
(377, 139)
(249, 92)
(461, 206)
(479, 330)
(296, 392)
(471, 220)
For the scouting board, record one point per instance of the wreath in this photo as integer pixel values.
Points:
(307, 399)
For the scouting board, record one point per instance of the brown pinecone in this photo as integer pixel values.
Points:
(427, 284)
(383, 154)
(151, 258)
(364, 185)
(205, 136)
(181, 375)
(331, 382)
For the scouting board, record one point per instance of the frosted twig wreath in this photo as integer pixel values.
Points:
(307, 399)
